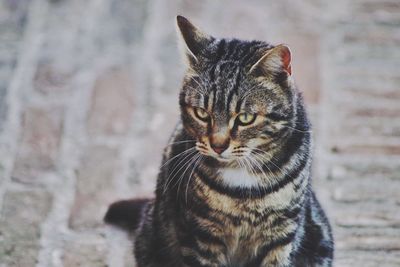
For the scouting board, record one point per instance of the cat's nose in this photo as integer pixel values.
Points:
(219, 148)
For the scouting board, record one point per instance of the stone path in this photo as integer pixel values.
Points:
(88, 97)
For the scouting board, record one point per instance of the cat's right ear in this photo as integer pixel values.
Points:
(194, 41)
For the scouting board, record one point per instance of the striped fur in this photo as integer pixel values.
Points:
(230, 194)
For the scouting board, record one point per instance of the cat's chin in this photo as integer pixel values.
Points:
(220, 159)
(225, 160)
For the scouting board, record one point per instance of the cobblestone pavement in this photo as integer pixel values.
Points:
(88, 97)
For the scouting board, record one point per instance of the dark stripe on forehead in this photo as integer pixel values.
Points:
(214, 92)
(219, 102)
(220, 50)
(232, 45)
(234, 89)
(247, 52)
(240, 50)
(212, 85)
(212, 73)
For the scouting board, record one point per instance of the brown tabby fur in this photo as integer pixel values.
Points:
(234, 186)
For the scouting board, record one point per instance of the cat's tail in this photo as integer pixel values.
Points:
(127, 214)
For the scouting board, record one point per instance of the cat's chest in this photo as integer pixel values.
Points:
(239, 178)
(243, 224)
(243, 242)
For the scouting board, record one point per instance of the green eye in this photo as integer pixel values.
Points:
(246, 118)
(201, 114)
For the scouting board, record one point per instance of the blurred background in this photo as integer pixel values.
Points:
(88, 98)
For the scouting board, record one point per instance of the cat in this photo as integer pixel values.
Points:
(234, 186)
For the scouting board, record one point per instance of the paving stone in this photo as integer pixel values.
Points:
(368, 239)
(79, 253)
(130, 17)
(112, 103)
(129, 258)
(371, 149)
(372, 93)
(95, 188)
(346, 62)
(51, 79)
(368, 126)
(13, 15)
(351, 258)
(375, 170)
(366, 214)
(373, 190)
(21, 218)
(39, 147)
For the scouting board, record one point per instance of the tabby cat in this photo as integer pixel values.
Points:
(234, 186)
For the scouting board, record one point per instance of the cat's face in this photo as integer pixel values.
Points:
(236, 97)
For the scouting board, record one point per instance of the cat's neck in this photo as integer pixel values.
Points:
(239, 177)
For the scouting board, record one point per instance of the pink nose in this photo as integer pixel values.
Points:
(219, 148)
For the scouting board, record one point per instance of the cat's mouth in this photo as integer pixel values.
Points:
(228, 156)
(204, 150)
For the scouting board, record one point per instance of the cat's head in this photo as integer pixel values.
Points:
(237, 96)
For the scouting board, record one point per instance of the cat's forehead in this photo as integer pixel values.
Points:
(222, 74)
(235, 50)
(222, 81)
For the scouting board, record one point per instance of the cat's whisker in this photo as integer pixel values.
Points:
(202, 148)
(238, 161)
(258, 162)
(254, 161)
(168, 161)
(180, 164)
(201, 145)
(252, 90)
(180, 142)
(196, 163)
(252, 171)
(197, 90)
(180, 180)
(297, 130)
(263, 154)
(201, 89)
(248, 91)
(177, 182)
(200, 86)
(204, 153)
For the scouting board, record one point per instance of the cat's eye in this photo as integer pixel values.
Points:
(246, 118)
(201, 114)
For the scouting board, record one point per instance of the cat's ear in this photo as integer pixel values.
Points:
(194, 40)
(273, 61)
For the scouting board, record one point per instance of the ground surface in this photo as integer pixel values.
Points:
(88, 97)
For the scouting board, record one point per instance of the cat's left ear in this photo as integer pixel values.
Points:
(274, 61)
(195, 41)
